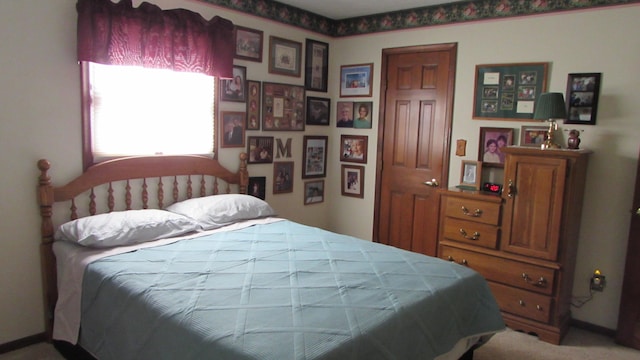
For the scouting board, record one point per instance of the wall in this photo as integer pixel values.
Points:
(573, 42)
(40, 118)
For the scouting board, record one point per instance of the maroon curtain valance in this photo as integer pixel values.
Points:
(178, 39)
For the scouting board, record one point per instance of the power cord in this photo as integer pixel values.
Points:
(579, 301)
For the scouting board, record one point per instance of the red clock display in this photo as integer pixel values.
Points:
(493, 188)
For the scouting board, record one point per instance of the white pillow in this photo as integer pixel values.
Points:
(219, 210)
(125, 228)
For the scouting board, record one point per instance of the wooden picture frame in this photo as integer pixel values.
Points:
(318, 110)
(253, 104)
(314, 156)
(353, 148)
(283, 107)
(260, 149)
(232, 124)
(234, 89)
(313, 192)
(583, 91)
(533, 136)
(355, 80)
(508, 91)
(282, 177)
(471, 174)
(491, 141)
(362, 114)
(248, 43)
(284, 56)
(257, 186)
(352, 183)
(344, 114)
(316, 69)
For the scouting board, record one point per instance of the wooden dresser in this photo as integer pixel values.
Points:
(525, 240)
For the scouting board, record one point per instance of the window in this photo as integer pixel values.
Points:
(140, 111)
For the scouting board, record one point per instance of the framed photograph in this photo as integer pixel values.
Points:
(253, 105)
(232, 123)
(362, 114)
(353, 148)
(282, 177)
(583, 91)
(283, 107)
(313, 192)
(318, 110)
(508, 91)
(355, 80)
(344, 114)
(260, 149)
(471, 174)
(316, 66)
(234, 89)
(314, 156)
(533, 136)
(491, 141)
(284, 56)
(257, 186)
(353, 181)
(248, 43)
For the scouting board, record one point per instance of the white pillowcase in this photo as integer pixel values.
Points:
(125, 228)
(219, 210)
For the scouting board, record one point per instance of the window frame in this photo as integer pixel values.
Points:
(87, 145)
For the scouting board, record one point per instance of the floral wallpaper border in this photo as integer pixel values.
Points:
(461, 11)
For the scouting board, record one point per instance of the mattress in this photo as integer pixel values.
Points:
(280, 290)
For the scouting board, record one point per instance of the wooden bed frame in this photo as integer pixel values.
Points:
(117, 175)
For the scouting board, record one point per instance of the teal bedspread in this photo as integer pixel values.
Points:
(280, 291)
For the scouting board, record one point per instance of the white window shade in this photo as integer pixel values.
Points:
(140, 111)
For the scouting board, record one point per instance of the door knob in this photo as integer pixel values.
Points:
(432, 183)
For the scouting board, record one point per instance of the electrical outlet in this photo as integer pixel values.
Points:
(597, 281)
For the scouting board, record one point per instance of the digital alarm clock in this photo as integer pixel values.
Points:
(492, 188)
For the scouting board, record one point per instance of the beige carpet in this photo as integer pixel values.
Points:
(507, 345)
(578, 344)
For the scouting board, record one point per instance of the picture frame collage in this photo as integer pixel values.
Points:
(275, 106)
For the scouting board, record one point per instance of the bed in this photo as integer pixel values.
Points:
(210, 272)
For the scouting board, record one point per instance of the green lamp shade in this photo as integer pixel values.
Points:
(550, 106)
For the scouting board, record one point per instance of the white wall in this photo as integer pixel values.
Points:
(40, 118)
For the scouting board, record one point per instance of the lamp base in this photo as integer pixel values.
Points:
(548, 142)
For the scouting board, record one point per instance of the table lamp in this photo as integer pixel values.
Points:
(550, 106)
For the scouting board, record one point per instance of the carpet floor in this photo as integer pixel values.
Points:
(507, 345)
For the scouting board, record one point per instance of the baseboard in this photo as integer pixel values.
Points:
(593, 328)
(24, 342)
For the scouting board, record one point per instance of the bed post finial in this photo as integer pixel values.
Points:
(244, 174)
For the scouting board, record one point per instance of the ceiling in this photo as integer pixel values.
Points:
(344, 9)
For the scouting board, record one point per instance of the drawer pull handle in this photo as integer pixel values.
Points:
(463, 262)
(475, 236)
(542, 282)
(475, 213)
(511, 190)
(521, 302)
(539, 307)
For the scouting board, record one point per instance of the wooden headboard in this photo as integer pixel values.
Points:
(124, 184)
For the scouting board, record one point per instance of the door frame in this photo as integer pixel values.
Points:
(444, 176)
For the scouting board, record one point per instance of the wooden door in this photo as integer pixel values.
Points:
(414, 132)
(628, 333)
(533, 205)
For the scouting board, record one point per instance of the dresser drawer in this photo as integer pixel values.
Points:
(510, 272)
(522, 303)
(473, 210)
(470, 232)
